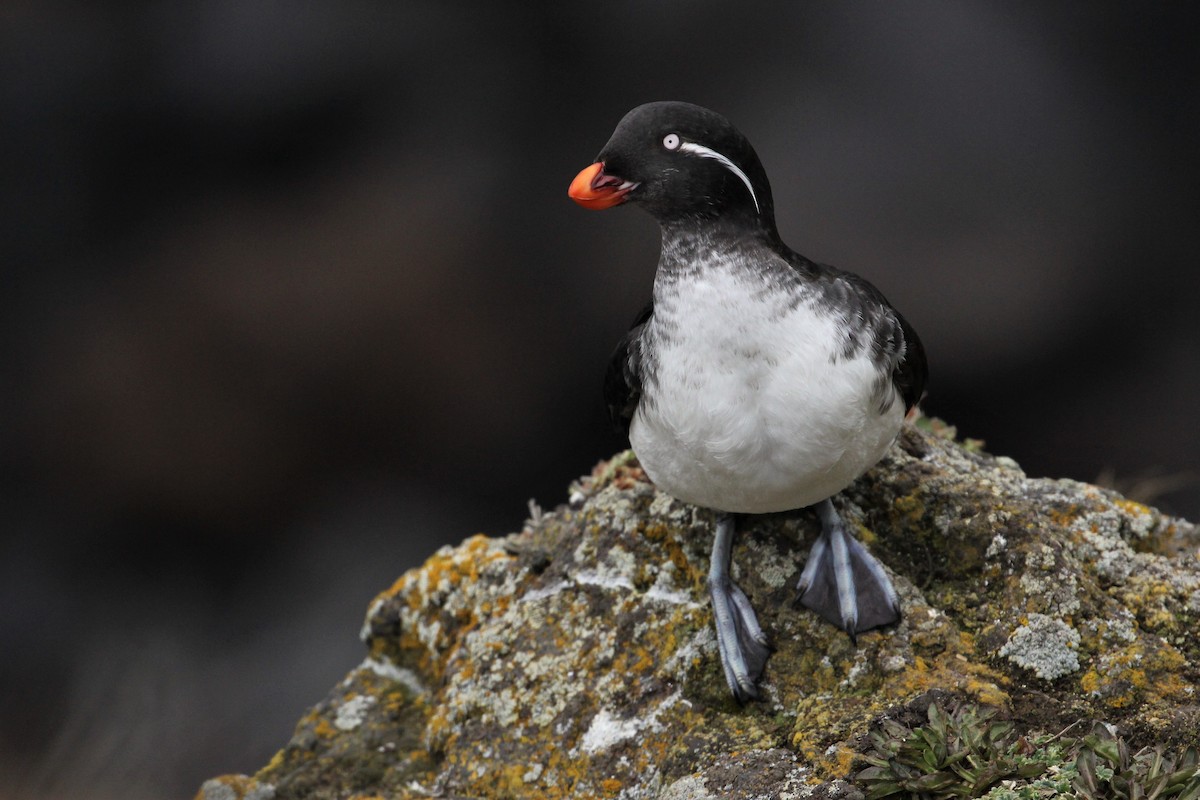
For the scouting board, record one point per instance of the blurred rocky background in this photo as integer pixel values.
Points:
(293, 294)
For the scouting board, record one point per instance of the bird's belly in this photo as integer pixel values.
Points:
(769, 428)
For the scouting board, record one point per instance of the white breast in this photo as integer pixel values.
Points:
(751, 407)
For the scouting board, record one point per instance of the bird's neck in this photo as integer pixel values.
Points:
(690, 245)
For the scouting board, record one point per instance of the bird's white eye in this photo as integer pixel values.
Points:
(671, 141)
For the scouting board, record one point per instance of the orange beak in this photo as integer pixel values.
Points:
(593, 188)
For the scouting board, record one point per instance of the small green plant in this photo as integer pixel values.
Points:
(962, 754)
(966, 754)
(1107, 770)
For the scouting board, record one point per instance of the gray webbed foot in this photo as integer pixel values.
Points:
(740, 639)
(844, 583)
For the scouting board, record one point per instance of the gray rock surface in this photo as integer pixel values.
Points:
(576, 657)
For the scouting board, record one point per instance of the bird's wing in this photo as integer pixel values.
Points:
(912, 371)
(623, 381)
(893, 342)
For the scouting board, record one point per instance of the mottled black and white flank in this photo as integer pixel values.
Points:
(756, 380)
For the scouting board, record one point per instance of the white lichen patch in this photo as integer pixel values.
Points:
(1045, 645)
(614, 509)
(998, 545)
(608, 730)
(1040, 558)
(1006, 463)
(1140, 520)
(668, 508)
(761, 774)
(389, 671)
(859, 668)
(769, 564)
(218, 789)
(1111, 557)
(689, 788)
(621, 562)
(429, 632)
(1102, 527)
(353, 712)
(605, 580)
(542, 592)
(665, 590)
(1119, 629)
(1057, 590)
(931, 619)
(364, 633)
(694, 650)
(1124, 520)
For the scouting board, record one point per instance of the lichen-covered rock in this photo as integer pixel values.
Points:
(576, 658)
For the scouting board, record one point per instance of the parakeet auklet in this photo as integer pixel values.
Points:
(755, 380)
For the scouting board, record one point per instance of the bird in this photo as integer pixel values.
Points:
(755, 380)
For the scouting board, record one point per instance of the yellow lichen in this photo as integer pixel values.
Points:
(1123, 677)
(910, 506)
(666, 537)
(610, 786)
(865, 534)
(1171, 687)
(1132, 507)
(1064, 518)
(839, 761)
(323, 729)
(394, 701)
(275, 762)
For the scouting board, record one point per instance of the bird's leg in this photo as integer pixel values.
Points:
(844, 583)
(740, 639)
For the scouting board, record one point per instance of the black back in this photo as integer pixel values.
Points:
(623, 379)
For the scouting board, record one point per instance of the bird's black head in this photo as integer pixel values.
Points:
(680, 162)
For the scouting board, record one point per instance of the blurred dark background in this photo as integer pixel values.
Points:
(293, 294)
